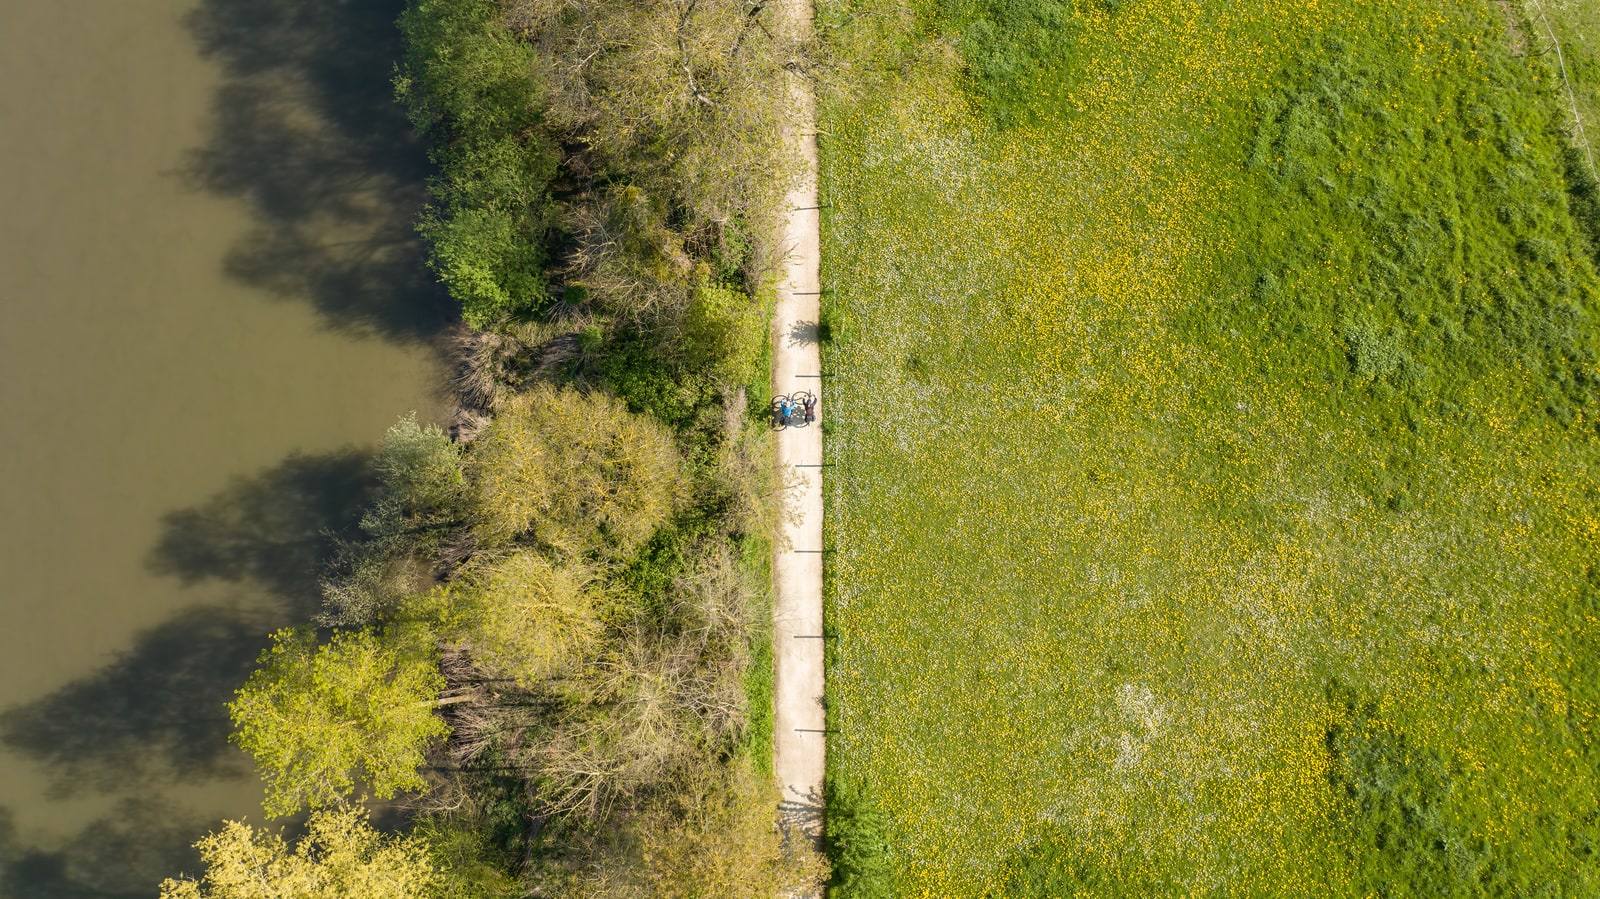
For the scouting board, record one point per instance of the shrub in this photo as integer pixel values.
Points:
(634, 368)
(421, 487)
(857, 842)
(421, 473)
(470, 86)
(723, 332)
(486, 260)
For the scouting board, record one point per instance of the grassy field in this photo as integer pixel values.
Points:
(1216, 498)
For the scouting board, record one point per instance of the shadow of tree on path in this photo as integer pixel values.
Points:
(306, 131)
(804, 333)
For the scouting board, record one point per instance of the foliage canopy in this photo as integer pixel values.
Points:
(529, 620)
(573, 472)
(320, 719)
(473, 88)
(340, 857)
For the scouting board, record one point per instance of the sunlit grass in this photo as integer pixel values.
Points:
(1233, 395)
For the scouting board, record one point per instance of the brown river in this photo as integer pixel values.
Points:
(213, 305)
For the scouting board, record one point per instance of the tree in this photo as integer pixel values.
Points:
(684, 95)
(420, 470)
(472, 87)
(530, 619)
(487, 259)
(575, 472)
(341, 856)
(319, 718)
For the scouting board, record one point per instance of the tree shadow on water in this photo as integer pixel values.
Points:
(156, 713)
(277, 529)
(123, 855)
(306, 131)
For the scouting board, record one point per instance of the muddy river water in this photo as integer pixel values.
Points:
(211, 305)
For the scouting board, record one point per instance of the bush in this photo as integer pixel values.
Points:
(633, 367)
(422, 484)
(488, 262)
(420, 469)
(857, 842)
(467, 862)
(723, 332)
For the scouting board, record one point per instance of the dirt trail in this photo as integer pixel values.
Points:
(797, 566)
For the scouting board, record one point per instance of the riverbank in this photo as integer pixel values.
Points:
(566, 599)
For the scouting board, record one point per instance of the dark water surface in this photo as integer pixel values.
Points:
(211, 305)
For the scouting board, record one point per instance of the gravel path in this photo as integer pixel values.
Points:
(797, 566)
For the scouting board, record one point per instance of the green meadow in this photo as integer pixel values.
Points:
(1215, 500)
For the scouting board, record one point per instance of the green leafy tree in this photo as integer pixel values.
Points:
(318, 719)
(530, 620)
(341, 856)
(472, 87)
(487, 261)
(468, 850)
(576, 472)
